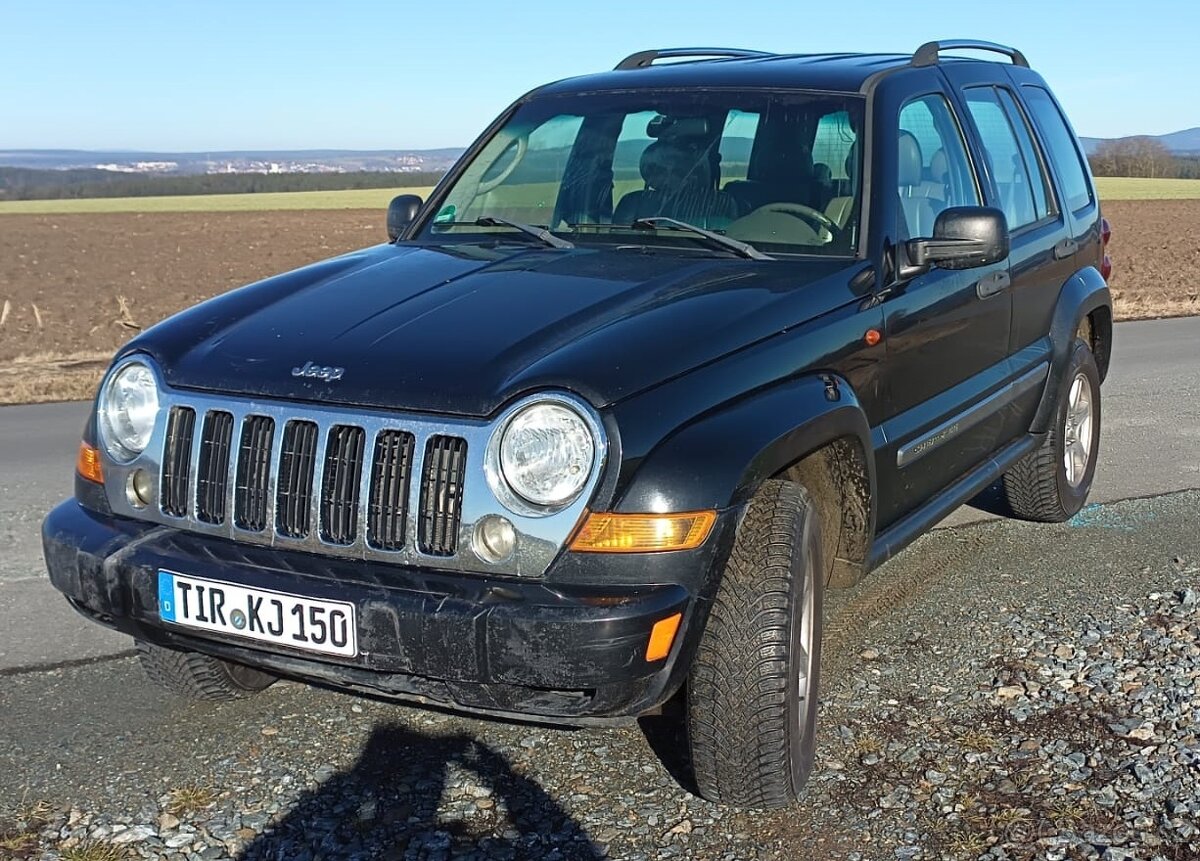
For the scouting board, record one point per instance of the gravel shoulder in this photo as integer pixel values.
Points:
(1001, 690)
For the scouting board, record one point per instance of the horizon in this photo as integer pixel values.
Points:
(177, 79)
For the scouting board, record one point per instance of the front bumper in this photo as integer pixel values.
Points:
(563, 652)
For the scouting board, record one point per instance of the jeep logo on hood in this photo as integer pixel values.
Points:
(319, 372)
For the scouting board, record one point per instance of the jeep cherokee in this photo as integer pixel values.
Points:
(670, 350)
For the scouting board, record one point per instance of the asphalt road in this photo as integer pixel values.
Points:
(1150, 445)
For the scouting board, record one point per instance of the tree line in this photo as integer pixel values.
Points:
(1142, 156)
(18, 183)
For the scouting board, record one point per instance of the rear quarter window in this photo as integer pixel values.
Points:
(1060, 143)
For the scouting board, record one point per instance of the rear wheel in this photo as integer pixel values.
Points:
(1052, 482)
(752, 692)
(200, 677)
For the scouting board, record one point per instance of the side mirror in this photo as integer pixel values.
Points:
(401, 212)
(964, 237)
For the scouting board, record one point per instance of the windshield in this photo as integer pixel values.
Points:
(777, 170)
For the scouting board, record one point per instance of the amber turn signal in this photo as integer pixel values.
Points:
(643, 533)
(88, 463)
(662, 635)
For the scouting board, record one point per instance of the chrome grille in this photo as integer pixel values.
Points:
(176, 462)
(371, 493)
(391, 469)
(341, 483)
(297, 464)
(252, 489)
(441, 494)
(212, 475)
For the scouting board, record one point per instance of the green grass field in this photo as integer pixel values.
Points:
(1111, 188)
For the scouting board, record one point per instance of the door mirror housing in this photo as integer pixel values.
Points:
(401, 212)
(964, 237)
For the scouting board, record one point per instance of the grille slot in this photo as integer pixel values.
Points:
(297, 464)
(441, 495)
(252, 486)
(212, 473)
(387, 510)
(341, 483)
(177, 461)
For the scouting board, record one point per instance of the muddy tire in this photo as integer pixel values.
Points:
(200, 677)
(752, 692)
(1052, 482)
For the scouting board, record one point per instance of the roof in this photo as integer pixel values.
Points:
(729, 67)
(831, 72)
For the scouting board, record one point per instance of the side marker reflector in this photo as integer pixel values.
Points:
(642, 533)
(662, 635)
(87, 464)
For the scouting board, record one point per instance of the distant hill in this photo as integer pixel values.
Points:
(1186, 142)
(234, 161)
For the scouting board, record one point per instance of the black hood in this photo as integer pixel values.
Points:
(462, 329)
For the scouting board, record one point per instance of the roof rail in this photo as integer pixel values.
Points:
(928, 54)
(643, 59)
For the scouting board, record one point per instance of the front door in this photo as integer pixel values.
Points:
(947, 332)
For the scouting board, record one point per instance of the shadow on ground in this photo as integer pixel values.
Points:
(412, 796)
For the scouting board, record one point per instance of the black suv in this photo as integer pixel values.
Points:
(671, 349)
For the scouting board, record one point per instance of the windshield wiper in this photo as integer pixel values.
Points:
(539, 233)
(742, 249)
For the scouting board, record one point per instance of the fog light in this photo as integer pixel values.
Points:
(494, 538)
(139, 488)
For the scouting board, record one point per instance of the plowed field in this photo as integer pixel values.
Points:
(75, 287)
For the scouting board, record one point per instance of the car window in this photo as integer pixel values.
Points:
(832, 144)
(596, 166)
(1005, 160)
(1060, 143)
(1043, 192)
(521, 180)
(933, 169)
(737, 140)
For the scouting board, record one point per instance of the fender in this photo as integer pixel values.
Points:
(1082, 294)
(744, 442)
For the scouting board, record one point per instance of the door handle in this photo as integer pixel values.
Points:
(992, 283)
(1065, 248)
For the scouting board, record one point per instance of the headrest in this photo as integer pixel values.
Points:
(939, 165)
(677, 127)
(668, 164)
(910, 162)
(822, 174)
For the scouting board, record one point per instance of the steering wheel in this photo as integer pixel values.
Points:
(522, 144)
(814, 216)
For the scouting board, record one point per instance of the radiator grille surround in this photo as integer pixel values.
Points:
(387, 486)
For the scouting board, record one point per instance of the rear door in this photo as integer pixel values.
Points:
(1016, 181)
(947, 346)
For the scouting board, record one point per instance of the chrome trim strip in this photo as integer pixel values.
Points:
(540, 535)
(968, 418)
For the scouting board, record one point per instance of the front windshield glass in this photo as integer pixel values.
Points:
(778, 170)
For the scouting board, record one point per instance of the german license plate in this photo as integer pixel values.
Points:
(295, 621)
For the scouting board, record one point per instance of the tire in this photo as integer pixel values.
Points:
(1040, 487)
(751, 720)
(200, 677)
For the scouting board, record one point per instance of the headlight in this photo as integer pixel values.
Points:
(546, 453)
(128, 409)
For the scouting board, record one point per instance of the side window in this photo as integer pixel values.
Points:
(737, 139)
(1043, 191)
(1005, 159)
(933, 170)
(1060, 144)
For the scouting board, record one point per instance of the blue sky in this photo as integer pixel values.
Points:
(169, 75)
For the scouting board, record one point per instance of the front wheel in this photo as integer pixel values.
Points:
(1052, 482)
(752, 692)
(200, 677)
